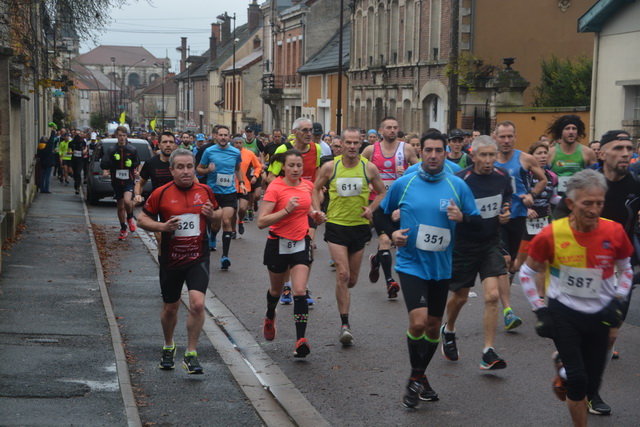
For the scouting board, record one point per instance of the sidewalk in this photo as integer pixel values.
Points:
(60, 367)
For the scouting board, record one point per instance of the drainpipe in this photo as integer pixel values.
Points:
(594, 87)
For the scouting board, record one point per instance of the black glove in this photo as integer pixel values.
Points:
(544, 325)
(613, 313)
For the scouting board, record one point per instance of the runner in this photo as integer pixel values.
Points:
(120, 161)
(348, 217)
(221, 162)
(424, 253)
(184, 256)
(254, 144)
(456, 145)
(585, 298)
(391, 156)
(311, 153)
(478, 251)
(78, 149)
(250, 168)
(285, 208)
(568, 156)
(520, 166)
(156, 168)
(538, 215)
(65, 158)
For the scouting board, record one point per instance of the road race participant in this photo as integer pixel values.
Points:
(391, 156)
(348, 216)
(302, 130)
(186, 141)
(621, 204)
(538, 215)
(478, 251)
(156, 168)
(255, 145)
(250, 168)
(120, 161)
(285, 208)
(78, 149)
(521, 167)
(585, 298)
(423, 261)
(185, 252)
(456, 145)
(220, 162)
(65, 158)
(568, 156)
(317, 138)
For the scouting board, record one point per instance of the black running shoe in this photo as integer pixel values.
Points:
(374, 271)
(411, 397)
(190, 363)
(449, 347)
(597, 405)
(491, 360)
(168, 355)
(241, 228)
(427, 394)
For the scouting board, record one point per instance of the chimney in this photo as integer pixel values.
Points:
(226, 31)
(256, 42)
(183, 54)
(215, 31)
(254, 15)
(212, 48)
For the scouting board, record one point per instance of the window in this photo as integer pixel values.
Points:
(434, 28)
(409, 29)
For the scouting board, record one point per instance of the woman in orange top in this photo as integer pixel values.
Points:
(285, 208)
(251, 168)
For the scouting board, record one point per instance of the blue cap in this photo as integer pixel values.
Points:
(199, 137)
(372, 131)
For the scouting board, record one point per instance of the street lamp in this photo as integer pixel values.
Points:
(124, 76)
(163, 82)
(112, 87)
(222, 19)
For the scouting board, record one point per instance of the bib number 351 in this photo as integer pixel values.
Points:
(434, 239)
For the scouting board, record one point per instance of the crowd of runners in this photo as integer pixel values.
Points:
(447, 207)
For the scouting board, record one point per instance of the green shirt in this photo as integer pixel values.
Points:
(348, 194)
(63, 150)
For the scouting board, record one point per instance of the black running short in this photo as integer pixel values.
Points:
(120, 187)
(383, 223)
(353, 237)
(171, 281)
(511, 234)
(420, 293)
(473, 258)
(227, 200)
(279, 263)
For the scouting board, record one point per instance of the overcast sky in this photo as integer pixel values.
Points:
(157, 25)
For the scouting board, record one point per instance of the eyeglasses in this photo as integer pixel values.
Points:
(305, 130)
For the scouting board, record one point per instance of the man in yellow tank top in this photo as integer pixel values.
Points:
(348, 216)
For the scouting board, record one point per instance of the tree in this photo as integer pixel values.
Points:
(98, 121)
(564, 83)
(59, 117)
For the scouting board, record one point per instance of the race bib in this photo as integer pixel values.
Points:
(580, 282)
(77, 153)
(387, 183)
(434, 239)
(489, 207)
(562, 183)
(189, 226)
(288, 246)
(224, 180)
(348, 187)
(122, 173)
(534, 226)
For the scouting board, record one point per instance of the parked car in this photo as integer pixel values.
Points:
(98, 186)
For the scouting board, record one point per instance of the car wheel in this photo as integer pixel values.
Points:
(92, 197)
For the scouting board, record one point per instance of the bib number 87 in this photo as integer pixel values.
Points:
(579, 282)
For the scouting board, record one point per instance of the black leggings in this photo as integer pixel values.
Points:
(420, 293)
(581, 340)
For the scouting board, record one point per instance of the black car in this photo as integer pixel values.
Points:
(98, 186)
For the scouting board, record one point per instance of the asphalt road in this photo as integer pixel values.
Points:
(361, 385)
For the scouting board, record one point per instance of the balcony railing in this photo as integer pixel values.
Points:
(272, 81)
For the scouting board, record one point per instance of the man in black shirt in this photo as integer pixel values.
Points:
(78, 148)
(157, 167)
(477, 250)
